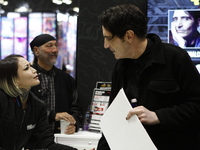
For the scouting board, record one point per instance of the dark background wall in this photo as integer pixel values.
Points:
(94, 63)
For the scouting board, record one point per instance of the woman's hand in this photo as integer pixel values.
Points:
(145, 116)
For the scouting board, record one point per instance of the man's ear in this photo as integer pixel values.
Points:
(35, 50)
(130, 35)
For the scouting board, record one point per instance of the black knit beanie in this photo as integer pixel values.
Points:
(40, 40)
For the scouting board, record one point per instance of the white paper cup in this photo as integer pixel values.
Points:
(63, 126)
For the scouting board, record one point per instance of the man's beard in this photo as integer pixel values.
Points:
(46, 58)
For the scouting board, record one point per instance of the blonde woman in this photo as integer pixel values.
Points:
(23, 117)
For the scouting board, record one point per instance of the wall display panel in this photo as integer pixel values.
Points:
(7, 34)
(49, 24)
(30, 53)
(7, 27)
(14, 36)
(34, 29)
(6, 46)
(35, 24)
(20, 25)
(62, 42)
(67, 36)
(184, 24)
(160, 16)
(20, 46)
(20, 36)
(71, 44)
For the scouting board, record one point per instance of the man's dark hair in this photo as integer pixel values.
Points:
(119, 19)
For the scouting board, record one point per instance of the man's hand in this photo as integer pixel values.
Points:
(70, 129)
(65, 116)
(145, 116)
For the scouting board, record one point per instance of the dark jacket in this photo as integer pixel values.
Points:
(169, 84)
(66, 97)
(18, 126)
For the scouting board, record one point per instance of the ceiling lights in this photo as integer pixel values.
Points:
(68, 2)
(23, 8)
(2, 2)
(59, 2)
(5, 3)
(76, 9)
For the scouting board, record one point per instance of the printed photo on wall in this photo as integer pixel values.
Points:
(184, 28)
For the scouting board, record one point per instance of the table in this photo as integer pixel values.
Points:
(80, 140)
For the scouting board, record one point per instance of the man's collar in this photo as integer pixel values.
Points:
(47, 72)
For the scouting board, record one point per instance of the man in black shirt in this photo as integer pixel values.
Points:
(160, 76)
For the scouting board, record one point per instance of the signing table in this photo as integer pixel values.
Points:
(80, 140)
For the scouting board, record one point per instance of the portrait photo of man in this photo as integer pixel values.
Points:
(183, 27)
